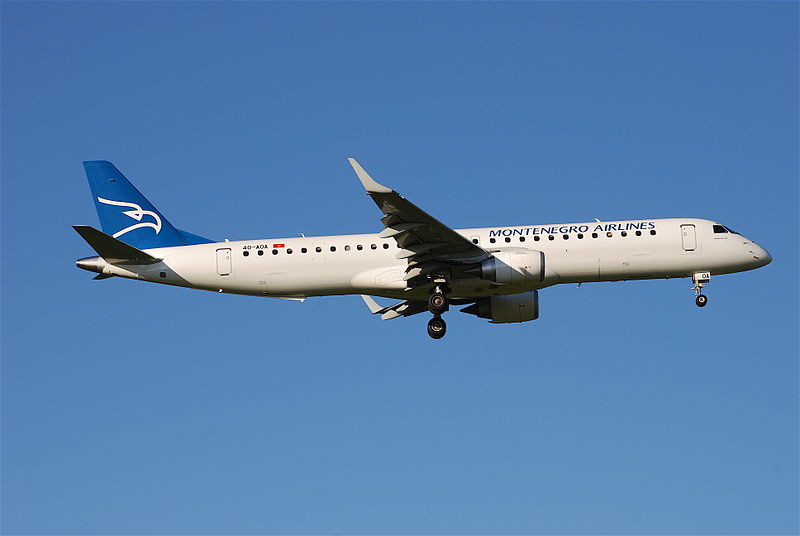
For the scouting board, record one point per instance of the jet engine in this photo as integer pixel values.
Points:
(506, 309)
(512, 267)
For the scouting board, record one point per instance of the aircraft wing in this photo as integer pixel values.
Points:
(404, 308)
(428, 244)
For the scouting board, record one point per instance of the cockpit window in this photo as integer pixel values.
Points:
(731, 230)
(720, 229)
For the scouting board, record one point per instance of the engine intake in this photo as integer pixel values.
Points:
(520, 307)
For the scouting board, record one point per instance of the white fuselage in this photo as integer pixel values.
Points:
(366, 264)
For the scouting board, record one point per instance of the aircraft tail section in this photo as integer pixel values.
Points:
(127, 215)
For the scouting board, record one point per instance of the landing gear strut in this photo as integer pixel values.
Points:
(698, 279)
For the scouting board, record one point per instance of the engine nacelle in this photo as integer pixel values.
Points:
(513, 267)
(520, 307)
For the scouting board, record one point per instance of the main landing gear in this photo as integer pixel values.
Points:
(437, 302)
(698, 279)
(437, 327)
(437, 305)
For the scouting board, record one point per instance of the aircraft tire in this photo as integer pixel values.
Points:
(437, 327)
(437, 303)
(701, 300)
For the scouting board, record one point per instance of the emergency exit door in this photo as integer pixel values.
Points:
(688, 237)
(224, 261)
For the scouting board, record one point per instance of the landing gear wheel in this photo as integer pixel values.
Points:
(699, 278)
(437, 327)
(437, 303)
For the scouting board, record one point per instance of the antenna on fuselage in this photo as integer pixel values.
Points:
(597, 220)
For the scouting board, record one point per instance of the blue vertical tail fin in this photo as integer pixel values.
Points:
(127, 215)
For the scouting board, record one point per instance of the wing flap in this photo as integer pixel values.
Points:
(398, 229)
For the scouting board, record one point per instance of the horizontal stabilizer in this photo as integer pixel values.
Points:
(112, 250)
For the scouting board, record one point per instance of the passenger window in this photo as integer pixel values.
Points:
(508, 239)
(536, 238)
(609, 234)
(260, 252)
(551, 237)
(333, 248)
(347, 248)
(274, 251)
(522, 239)
(566, 237)
(474, 240)
(245, 253)
(318, 249)
(289, 251)
(492, 240)
(303, 250)
(720, 229)
(385, 245)
(580, 236)
(624, 233)
(373, 246)
(594, 235)
(638, 233)
(653, 232)
(359, 247)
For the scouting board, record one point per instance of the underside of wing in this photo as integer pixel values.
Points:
(432, 248)
(404, 308)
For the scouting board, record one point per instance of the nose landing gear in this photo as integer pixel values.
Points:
(698, 279)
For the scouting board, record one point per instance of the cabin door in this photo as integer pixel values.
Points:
(224, 261)
(688, 238)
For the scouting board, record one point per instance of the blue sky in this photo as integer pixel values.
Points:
(135, 408)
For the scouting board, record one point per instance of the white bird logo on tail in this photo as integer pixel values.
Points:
(137, 214)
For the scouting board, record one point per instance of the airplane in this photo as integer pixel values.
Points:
(496, 272)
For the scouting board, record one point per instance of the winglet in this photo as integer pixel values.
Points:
(374, 307)
(369, 183)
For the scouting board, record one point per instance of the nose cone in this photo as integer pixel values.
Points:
(92, 264)
(765, 256)
(761, 256)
